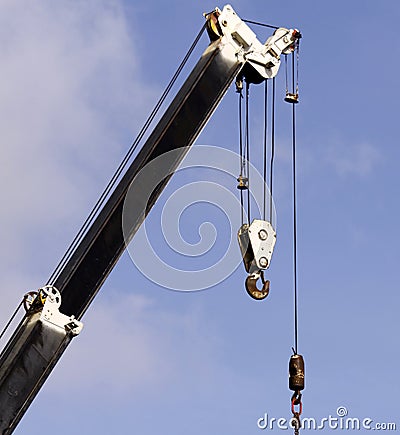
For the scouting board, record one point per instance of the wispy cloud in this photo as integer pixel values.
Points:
(121, 333)
(69, 104)
(69, 93)
(151, 349)
(353, 159)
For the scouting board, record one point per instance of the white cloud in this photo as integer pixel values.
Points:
(358, 159)
(118, 350)
(69, 84)
(129, 346)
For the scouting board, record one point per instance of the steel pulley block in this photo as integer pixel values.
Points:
(256, 243)
(212, 25)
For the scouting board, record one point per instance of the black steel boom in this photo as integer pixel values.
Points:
(183, 121)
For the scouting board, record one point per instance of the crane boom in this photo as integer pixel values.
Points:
(101, 247)
(48, 327)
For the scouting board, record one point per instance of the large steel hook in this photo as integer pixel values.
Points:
(251, 286)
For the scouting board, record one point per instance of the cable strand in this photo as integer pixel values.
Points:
(242, 162)
(256, 23)
(247, 138)
(265, 146)
(271, 170)
(64, 260)
(294, 216)
(11, 319)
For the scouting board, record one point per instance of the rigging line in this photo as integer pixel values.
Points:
(294, 218)
(297, 66)
(11, 319)
(265, 145)
(241, 207)
(260, 24)
(241, 134)
(124, 162)
(286, 75)
(241, 153)
(248, 149)
(272, 150)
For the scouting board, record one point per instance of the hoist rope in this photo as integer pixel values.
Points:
(286, 75)
(295, 231)
(297, 66)
(11, 319)
(265, 140)
(294, 216)
(260, 24)
(271, 170)
(100, 202)
(247, 142)
(242, 161)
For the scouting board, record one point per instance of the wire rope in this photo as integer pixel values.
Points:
(100, 202)
(295, 287)
(271, 170)
(257, 23)
(242, 161)
(11, 319)
(265, 141)
(247, 141)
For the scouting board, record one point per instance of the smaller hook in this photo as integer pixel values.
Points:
(251, 286)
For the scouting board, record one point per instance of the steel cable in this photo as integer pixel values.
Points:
(247, 140)
(294, 215)
(265, 146)
(100, 202)
(271, 170)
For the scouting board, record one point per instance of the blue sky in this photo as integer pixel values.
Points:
(77, 82)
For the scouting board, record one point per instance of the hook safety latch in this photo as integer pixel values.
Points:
(251, 286)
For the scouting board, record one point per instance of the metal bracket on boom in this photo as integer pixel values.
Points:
(257, 242)
(262, 61)
(31, 353)
(48, 302)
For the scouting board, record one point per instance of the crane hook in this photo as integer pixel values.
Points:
(251, 286)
